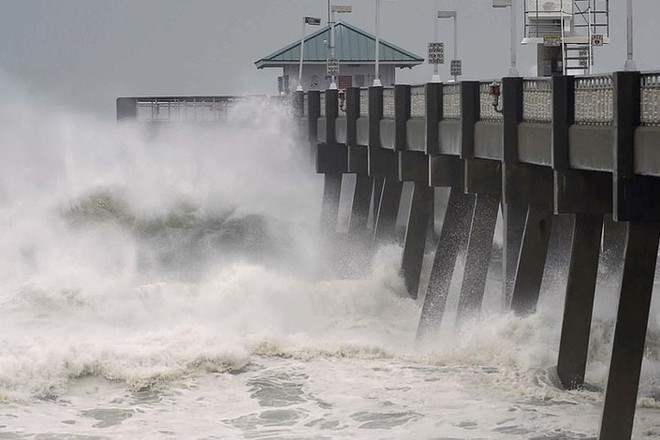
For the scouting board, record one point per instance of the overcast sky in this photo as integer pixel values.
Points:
(85, 53)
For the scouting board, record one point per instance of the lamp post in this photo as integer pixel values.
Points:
(452, 14)
(341, 10)
(312, 21)
(513, 70)
(377, 82)
(630, 64)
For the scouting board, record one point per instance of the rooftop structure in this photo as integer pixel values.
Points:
(354, 49)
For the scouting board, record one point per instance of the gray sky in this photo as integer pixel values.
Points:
(82, 54)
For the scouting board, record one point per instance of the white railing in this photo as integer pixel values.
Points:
(201, 109)
(388, 103)
(322, 104)
(537, 100)
(593, 100)
(364, 101)
(451, 101)
(418, 102)
(650, 111)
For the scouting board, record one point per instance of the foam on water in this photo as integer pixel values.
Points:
(180, 282)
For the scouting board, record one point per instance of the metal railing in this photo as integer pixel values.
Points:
(650, 111)
(593, 100)
(418, 102)
(451, 102)
(537, 100)
(185, 109)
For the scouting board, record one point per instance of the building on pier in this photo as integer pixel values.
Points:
(566, 32)
(354, 51)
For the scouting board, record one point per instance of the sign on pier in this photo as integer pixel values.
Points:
(456, 68)
(332, 66)
(436, 53)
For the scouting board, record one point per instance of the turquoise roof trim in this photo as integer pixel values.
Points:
(352, 45)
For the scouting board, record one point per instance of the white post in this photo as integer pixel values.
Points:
(630, 62)
(377, 82)
(302, 49)
(455, 41)
(333, 84)
(436, 74)
(513, 70)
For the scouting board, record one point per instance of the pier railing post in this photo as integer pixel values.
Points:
(635, 201)
(313, 114)
(434, 103)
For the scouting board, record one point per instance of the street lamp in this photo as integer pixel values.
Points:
(377, 82)
(312, 21)
(630, 62)
(452, 14)
(513, 70)
(340, 10)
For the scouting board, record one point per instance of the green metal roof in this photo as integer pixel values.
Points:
(352, 45)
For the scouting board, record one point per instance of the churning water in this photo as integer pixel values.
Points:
(177, 287)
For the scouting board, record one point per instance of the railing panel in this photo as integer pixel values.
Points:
(418, 102)
(451, 102)
(486, 110)
(593, 100)
(305, 109)
(322, 104)
(388, 103)
(364, 101)
(202, 109)
(537, 100)
(650, 112)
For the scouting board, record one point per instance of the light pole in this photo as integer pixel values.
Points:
(452, 14)
(312, 21)
(341, 10)
(436, 74)
(630, 61)
(377, 82)
(513, 70)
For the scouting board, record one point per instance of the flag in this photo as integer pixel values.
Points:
(313, 21)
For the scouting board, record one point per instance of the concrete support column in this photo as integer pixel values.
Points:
(453, 239)
(419, 216)
(578, 305)
(358, 223)
(479, 248)
(635, 200)
(330, 207)
(388, 208)
(630, 332)
(527, 284)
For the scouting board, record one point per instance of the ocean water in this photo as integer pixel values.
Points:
(175, 285)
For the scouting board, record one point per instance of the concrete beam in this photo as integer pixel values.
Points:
(388, 209)
(533, 252)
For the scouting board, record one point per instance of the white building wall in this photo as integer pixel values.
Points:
(315, 77)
